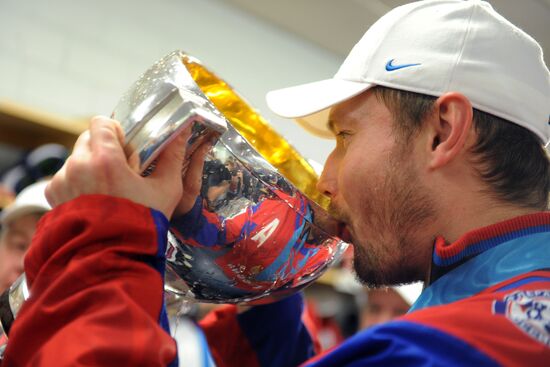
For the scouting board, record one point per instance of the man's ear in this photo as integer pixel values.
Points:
(449, 128)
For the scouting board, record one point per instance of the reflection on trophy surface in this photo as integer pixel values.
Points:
(247, 235)
(258, 230)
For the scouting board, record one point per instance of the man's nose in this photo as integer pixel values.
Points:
(327, 181)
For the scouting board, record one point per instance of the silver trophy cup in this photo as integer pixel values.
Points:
(258, 231)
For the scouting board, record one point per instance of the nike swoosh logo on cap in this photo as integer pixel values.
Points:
(391, 67)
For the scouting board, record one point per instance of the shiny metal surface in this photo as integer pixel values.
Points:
(258, 231)
(19, 293)
(164, 100)
(255, 234)
(257, 131)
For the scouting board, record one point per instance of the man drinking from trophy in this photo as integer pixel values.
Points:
(440, 115)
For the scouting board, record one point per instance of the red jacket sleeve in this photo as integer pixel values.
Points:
(94, 270)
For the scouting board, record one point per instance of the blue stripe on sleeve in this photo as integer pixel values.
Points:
(161, 225)
(159, 263)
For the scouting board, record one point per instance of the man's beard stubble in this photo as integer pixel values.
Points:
(396, 212)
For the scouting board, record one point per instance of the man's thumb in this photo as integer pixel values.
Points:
(170, 161)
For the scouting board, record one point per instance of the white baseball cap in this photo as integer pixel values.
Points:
(31, 199)
(433, 47)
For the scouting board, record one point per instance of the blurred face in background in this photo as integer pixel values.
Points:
(382, 305)
(15, 239)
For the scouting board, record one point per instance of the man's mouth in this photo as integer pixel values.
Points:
(343, 232)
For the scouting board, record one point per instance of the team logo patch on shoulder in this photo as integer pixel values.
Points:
(528, 310)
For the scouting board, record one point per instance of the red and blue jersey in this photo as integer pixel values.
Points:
(95, 273)
(487, 304)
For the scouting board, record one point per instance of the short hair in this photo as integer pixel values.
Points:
(509, 158)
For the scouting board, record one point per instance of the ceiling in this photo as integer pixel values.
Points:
(337, 24)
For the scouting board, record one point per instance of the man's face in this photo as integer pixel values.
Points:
(375, 189)
(15, 239)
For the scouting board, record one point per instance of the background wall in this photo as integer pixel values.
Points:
(76, 58)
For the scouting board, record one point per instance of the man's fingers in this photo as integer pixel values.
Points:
(105, 135)
(52, 189)
(170, 161)
(82, 145)
(120, 134)
(193, 175)
(192, 179)
(61, 187)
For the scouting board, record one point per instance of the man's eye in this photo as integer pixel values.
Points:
(343, 135)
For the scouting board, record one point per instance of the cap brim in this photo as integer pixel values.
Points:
(310, 103)
(8, 215)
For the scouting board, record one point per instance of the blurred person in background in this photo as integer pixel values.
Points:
(39, 164)
(19, 220)
(22, 197)
(385, 304)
